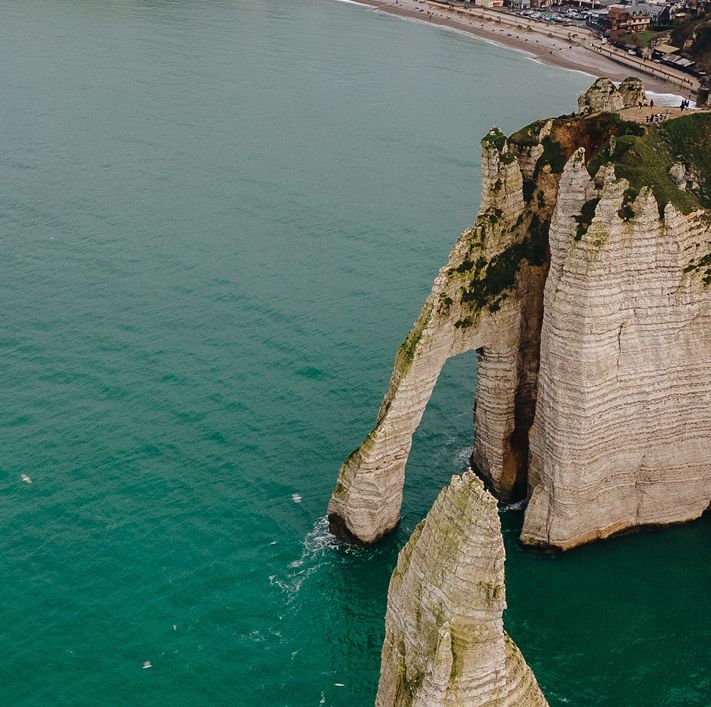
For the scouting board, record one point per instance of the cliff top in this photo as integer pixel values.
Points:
(672, 157)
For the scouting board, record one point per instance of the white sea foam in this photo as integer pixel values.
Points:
(461, 458)
(667, 99)
(663, 99)
(319, 539)
(317, 543)
(518, 506)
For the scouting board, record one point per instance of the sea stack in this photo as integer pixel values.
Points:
(604, 96)
(445, 642)
(585, 288)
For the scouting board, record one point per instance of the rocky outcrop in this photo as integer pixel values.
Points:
(476, 303)
(622, 433)
(684, 177)
(604, 96)
(594, 376)
(601, 96)
(445, 642)
(632, 92)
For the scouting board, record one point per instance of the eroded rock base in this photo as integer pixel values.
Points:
(445, 642)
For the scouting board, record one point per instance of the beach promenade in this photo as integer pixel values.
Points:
(570, 47)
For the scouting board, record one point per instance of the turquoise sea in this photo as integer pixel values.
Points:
(218, 219)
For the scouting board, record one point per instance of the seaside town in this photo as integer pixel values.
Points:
(673, 34)
(667, 42)
(665, 32)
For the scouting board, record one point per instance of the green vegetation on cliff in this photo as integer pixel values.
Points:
(702, 266)
(584, 219)
(568, 133)
(487, 282)
(646, 159)
(496, 138)
(694, 36)
(642, 154)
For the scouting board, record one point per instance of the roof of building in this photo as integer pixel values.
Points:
(648, 9)
(666, 48)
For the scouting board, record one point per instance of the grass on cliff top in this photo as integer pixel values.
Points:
(528, 136)
(641, 154)
(645, 159)
(568, 133)
(496, 138)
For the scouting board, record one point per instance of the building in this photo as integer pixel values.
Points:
(623, 18)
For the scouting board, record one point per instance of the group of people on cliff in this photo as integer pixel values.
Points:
(657, 117)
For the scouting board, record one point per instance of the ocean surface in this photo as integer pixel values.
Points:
(218, 219)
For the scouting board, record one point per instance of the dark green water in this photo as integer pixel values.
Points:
(218, 220)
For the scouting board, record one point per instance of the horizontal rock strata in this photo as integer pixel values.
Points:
(444, 637)
(594, 376)
(622, 431)
(469, 308)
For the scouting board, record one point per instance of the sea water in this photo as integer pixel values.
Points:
(218, 220)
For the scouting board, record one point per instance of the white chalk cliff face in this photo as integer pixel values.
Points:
(445, 642)
(467, 309)
(622, 432)
(588, 301)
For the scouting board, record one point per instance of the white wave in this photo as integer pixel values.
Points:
(316, 544)
(667, 99)
(518, 506)
(663, 99)
(253, 636)
(319, 538)
(461, 458)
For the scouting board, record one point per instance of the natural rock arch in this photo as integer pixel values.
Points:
(476, 304)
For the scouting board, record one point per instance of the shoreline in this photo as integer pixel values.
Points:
(537, 40)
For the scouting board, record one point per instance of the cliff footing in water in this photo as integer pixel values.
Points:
(445, 642)
(584, 287)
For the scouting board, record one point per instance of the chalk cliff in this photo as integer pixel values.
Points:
(445, 642)
(584, 287)
(603, 95)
